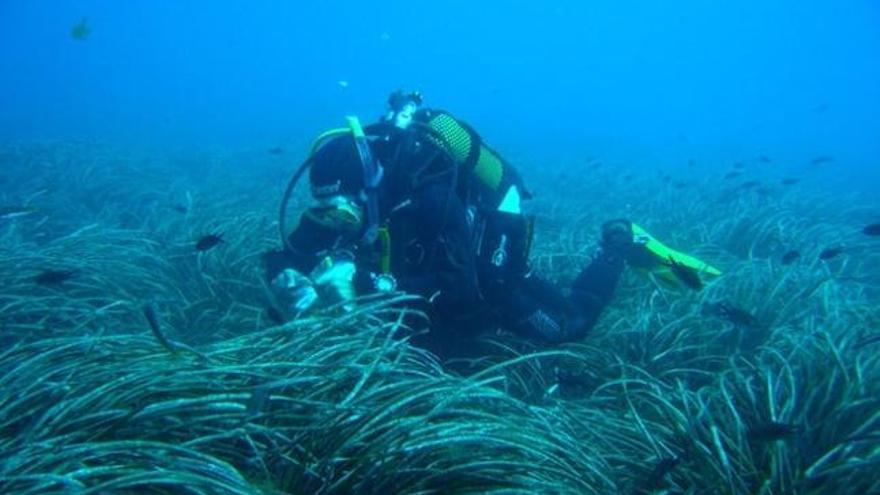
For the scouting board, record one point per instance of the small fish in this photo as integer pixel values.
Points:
(692, 163)
(830, 253)
(872, 230)
(790, 257)
(688, 276)
(764, 159)
(822, 159)
(152, 318)
(739, 165)
(679, 185)
(790, 181)
(663, 467)
(276, 151)
(81, 30)
(772, 431)
(8, 212)
(179, 208)
(749, 184)
(274, 315)
(870, 339)
(732, 175)
(594, 165)
(208, 242)
(736, 315)
(55, 277)
(571, 379)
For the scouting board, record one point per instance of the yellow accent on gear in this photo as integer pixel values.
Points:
(654, 260)
(385, 250)
(489, 168)
(327, 135)
(458, 139)
(355, 125)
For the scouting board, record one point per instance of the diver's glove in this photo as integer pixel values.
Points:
(294, 291)
(617, 240)
(334, 280)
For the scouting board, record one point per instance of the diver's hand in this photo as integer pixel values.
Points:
(334, 280)
(617, 239)
(294, 291)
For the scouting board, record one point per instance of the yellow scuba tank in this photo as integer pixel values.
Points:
(669, 268)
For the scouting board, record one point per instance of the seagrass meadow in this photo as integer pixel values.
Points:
(662, 397)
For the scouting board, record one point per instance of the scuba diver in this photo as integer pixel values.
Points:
(419, 203)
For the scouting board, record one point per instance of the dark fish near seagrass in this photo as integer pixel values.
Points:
(152, 318)
(749, 184)
(276, 151)
(739, 165)
(867, 340)
(736, 315)
(732, 175)
(209, 242)
(872, 230)
(655, 478)
(822, 159)
(772, 431)
(830, 253)
(274, 315)
(55, 277)
(790, 257)
(571, 379)
(687, 275)
(179, 208)
(790, 181)
(764, 159)
(9, 212)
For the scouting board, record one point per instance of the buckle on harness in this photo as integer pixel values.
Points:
(499, 256)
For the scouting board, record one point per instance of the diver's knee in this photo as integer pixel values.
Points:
(548, 328)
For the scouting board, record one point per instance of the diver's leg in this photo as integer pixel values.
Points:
(592, 291)
(593, 288)
(537, 309)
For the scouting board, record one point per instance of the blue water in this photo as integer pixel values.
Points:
(637, 82)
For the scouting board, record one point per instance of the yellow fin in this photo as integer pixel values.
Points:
(654, 256)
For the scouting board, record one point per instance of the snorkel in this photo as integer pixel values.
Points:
(372, 177)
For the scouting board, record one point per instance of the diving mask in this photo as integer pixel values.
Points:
(402, 108)
(338, 213)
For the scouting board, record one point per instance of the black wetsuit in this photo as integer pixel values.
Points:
(446, 251)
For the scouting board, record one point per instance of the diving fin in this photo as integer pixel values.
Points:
(664, 264)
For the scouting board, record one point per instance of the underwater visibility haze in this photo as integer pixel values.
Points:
(145, 148)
